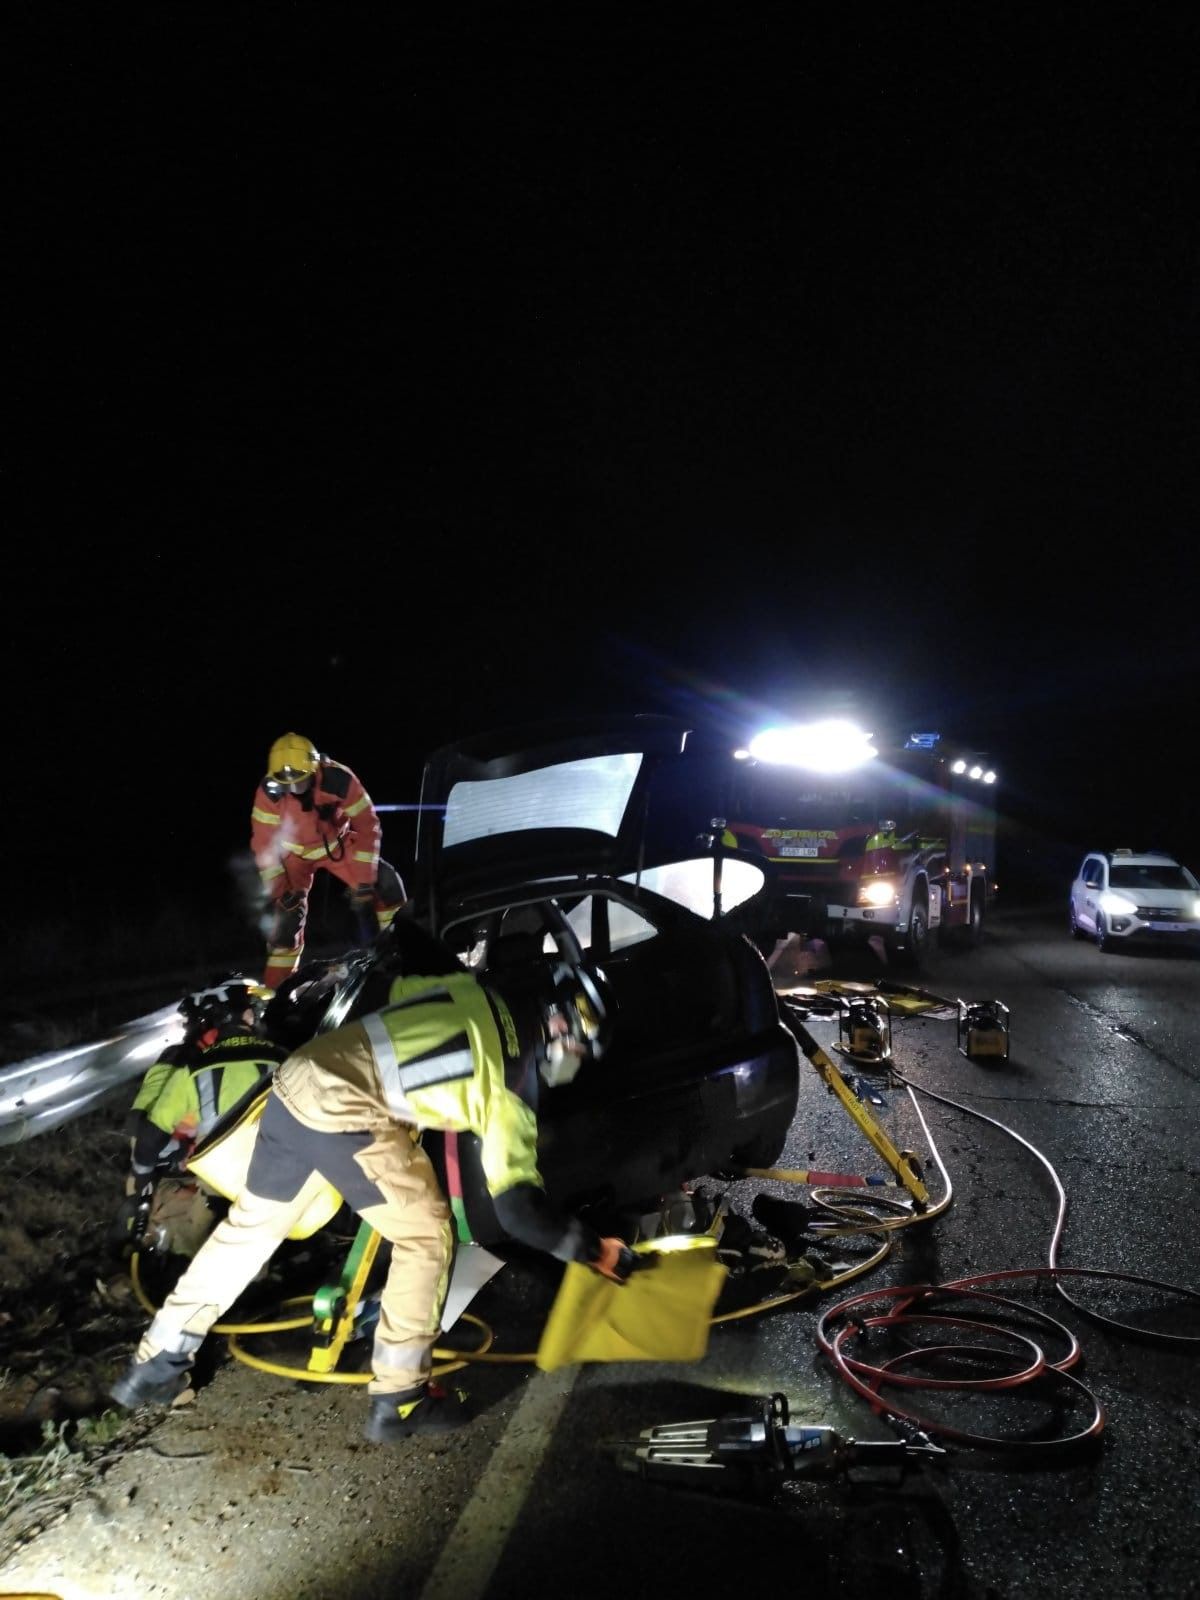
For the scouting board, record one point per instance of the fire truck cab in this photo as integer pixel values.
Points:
(896, 841)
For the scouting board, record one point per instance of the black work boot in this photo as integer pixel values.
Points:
(157, 1382)
(429, 1409)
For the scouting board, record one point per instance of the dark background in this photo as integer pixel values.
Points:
(389, 380)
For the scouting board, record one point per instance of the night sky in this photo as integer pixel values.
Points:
(392, 380)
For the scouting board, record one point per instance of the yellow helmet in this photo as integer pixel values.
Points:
(293, 757)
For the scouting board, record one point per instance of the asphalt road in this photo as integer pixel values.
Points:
(1104, 1078)
(532, 1498)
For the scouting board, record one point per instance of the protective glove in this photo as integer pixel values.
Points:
(362, 894)
(616, 1260)
(290, 900)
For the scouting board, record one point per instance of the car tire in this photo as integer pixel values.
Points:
(763, 1152)
(1076, 930)
(1103, 939)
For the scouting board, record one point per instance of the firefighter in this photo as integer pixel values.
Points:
(223, 1054)
(347, 1110)
(312, 815)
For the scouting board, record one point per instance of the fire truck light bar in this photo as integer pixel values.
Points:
(976, 772)
(830, 746)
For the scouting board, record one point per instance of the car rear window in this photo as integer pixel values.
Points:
(1166, 876)
(591, 793)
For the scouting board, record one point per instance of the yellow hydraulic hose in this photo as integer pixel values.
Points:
(857, 1220)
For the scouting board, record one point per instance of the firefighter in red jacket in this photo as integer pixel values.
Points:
(313, 815)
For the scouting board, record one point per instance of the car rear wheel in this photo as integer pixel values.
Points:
(763, 1151)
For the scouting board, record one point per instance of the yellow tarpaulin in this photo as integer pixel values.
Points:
(663, 1312)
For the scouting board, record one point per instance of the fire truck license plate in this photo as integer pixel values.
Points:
(799, 850)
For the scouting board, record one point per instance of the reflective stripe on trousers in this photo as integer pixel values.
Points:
(388, 1181)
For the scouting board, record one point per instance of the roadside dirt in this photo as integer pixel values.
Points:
(262, 1485)
(249, 1477)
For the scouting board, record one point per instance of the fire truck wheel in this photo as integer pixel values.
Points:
(918, 933)
(975, 922)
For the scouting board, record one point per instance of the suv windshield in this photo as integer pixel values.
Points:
(1166, 876)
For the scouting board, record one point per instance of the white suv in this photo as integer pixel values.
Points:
(1118, 895)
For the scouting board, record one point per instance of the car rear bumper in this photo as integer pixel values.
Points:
(630, 1152)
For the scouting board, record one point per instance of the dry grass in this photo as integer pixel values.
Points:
(40, 1486)
(45, 1471)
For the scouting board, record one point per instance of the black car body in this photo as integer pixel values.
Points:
(535, 841)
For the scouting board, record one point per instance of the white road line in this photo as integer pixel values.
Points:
(477, 1539)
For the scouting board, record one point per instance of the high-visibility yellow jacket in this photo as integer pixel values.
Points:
(183, 1097)
(445, 1053)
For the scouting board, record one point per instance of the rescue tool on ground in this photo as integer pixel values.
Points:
(753, 1452)
(983, 1030)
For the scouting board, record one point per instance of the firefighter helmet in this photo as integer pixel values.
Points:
(222, 1004)
(292, 758)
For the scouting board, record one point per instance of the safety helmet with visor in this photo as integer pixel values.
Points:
(223, 1004)
(291, 763)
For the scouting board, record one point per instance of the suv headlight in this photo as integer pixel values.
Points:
(877, 892)
(1118, 904)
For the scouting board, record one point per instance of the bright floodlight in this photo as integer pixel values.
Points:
(830, 746)
(989, 777)
(977, 772)
(959, 766)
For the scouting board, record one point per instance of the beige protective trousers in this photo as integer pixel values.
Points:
(386, 1178)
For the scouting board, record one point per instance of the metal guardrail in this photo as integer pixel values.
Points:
(46, 1090)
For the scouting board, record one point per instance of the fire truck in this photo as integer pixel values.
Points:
(895, 842)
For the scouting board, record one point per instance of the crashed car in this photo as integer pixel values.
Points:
(534, 844)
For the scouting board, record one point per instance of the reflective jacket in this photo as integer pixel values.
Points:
(151, 1085)
(182, 1099)
(334, 820)
(443, 1054)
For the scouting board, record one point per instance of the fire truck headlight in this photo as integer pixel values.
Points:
(877, 892)
(1118, 904)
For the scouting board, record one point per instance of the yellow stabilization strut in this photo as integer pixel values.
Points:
(901, 1162)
